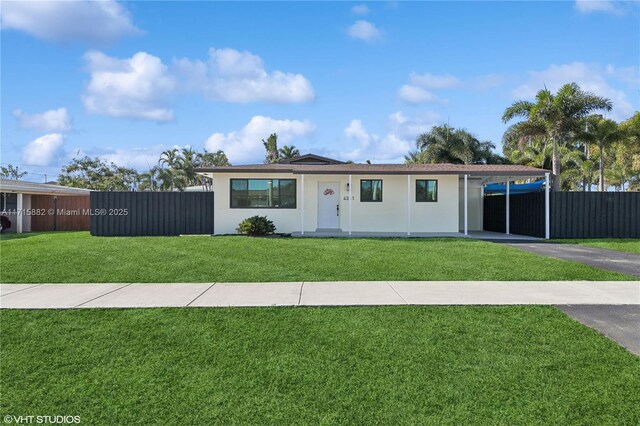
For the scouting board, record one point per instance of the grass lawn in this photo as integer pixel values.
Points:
(383, 365)
(76, 257)
(630, 245)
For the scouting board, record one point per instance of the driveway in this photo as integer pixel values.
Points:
(620, 323)
(611, 260)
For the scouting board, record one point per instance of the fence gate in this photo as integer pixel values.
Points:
(126, 213)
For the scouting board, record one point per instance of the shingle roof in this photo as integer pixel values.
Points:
(385, 169)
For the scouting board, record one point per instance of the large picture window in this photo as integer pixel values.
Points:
(426, 190)
(371, 190)
(263, 193)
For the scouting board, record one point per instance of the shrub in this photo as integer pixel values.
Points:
(256, 226)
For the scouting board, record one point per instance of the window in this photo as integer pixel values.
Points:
(263, 193)
(371, 190)
(8, 201)
(426, 190)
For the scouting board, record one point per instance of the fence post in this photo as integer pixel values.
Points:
(547, 220)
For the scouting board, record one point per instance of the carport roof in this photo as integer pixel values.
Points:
(19, 186)
(383, 169)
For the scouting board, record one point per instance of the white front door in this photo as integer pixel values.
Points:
(328, 205)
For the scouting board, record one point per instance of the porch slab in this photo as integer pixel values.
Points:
(349, 293)
(149, 295)
(518, 292)
(56, 296)
(250, 294)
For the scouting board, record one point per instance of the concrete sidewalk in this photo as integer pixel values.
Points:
(64, 296)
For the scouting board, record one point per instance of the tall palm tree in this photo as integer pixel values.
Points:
(445, 144)
(150, 181)
(601, 132)
(287, 152)
(558, 114)
(271, 146)
(186, 164)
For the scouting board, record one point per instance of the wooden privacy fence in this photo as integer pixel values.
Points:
(572, 214)
(123, 213)
(64, 213)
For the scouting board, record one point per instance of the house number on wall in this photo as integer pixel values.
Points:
(328, 191)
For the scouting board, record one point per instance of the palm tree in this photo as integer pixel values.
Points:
(150, 181)
(445, 144)
(186, 165)
(271, 146)
(601, 132)
(287, 152)
(559, 115)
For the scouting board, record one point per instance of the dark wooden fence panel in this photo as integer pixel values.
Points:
(572, 214)
(151, 213)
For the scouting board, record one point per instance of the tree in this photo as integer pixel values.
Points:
(445, 144)
(271, 146)
(601, 132)
(288, 152)
(97, 174)
(11, 172)
(626, 153)
(556, 116)
(213, 159)
(150, 180)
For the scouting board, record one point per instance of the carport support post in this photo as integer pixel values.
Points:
(350, 198)
(547, 221)
(19, 215)
(301, 204)
(408, 204)
(508, 225)
(466, 210)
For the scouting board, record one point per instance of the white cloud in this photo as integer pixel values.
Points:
(245, 145)
(628, 75)
(606, 6)
(43, 151)
(393, 146)
(364, 30)
(419, 89)
(137, 87)
(433, 81)
(54, 120)
(79, 20)
(415, 95)
(233, 76)
(137, 158)
(360, 9)
(590, 77)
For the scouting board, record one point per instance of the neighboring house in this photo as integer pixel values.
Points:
(310, 194)
(34, 206)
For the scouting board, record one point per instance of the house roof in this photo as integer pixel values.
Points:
(310, 159)
(20, 186)
(382, 169)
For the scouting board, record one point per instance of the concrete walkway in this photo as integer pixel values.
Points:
(64, 296)
(611, 260)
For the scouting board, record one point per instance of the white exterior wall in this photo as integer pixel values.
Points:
(390, 215)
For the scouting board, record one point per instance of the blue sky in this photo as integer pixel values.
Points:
(358, 81)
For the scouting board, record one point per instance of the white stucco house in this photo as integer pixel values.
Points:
(311, 195)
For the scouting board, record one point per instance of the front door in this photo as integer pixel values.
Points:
(328, 205)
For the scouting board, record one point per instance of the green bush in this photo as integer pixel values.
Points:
(256, 226)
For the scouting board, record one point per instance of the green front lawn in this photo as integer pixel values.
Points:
(382, 365)
(630, 245)
(76, 257)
